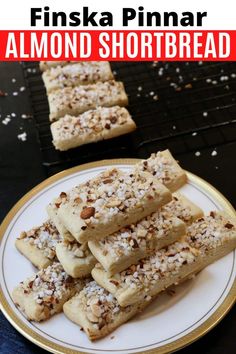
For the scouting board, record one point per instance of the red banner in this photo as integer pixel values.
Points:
(118, 45)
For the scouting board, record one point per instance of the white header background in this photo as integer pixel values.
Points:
(15, 14)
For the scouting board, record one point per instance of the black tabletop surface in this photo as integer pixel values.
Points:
(21, 168)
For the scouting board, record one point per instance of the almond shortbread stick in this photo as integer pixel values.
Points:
(73, 194)
(38, 245)
(208, 239)
(111, 201)
(134, 242)
(91, 126)
(77, 260)
(164, 167)
(44, 294)
(150, 275)
(98, 312)
(76, 74)
(77, 100)
(128, 245)
(188, 214)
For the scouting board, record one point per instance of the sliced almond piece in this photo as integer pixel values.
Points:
(87, 212)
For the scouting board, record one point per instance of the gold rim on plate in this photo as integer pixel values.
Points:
(44, 343)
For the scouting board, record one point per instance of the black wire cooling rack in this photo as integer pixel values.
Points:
(183, 106)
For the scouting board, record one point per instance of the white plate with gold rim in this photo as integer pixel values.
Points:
(168, 324)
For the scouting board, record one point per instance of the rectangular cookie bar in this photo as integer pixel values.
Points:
(94, 125)
(76, 259)
(110, 201)
(164, 167)
(98, 312)
(38, 245)
(45, 65)
(134, 242)
(64, 198)
(127, 246)
(208, 239)
(81, 73)
(44, 294)
(77, 100)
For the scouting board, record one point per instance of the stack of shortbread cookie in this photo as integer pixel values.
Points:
(86, 104)
(113, 243)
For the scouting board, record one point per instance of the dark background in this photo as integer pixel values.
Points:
(169, 102)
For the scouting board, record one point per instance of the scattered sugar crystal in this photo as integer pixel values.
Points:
(208, 81)
(155, 98)
(205, 114)
(200, 63)
(214, 153)
(14, 93)
(194, 133)
(22, 137)
(13, 115)
(233, 75)
(224, 78)
(13, 80)
(160, 71)
(197, 153)
(173, 84)
(6, 120)
(140, 88)
(22, 88)
(110, 297)
(151, 93)
(174, 127)
(26, 116)
(214, 82)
